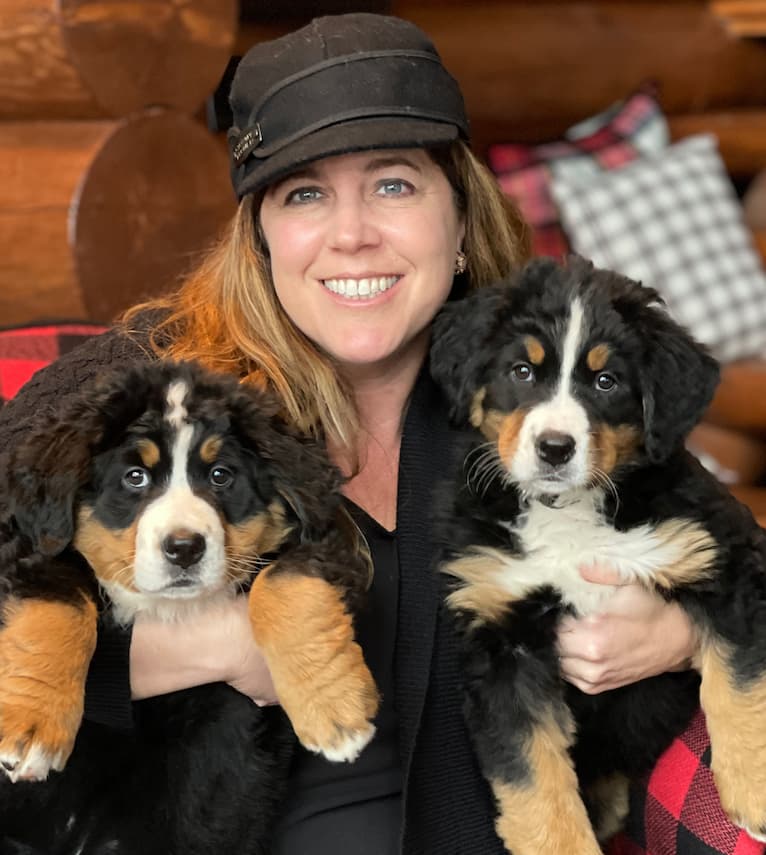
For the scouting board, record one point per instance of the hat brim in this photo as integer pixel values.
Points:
(356, 135)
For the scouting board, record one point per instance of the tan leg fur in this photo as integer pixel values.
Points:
(45, 651)
(306, 635)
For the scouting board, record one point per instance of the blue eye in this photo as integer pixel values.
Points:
(523, 372)
(394, 187)
(303, 195)
(136, 478)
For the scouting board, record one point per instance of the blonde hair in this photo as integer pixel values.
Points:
(226, 314)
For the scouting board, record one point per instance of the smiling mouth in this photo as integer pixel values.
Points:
(361, 289)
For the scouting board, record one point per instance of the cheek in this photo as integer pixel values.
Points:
(291, 248)
(614, 445)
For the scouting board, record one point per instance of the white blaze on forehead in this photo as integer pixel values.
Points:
(178, 508)
(562, 413)
(176, 411)
(570, 349)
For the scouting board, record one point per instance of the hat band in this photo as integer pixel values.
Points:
(382, 84)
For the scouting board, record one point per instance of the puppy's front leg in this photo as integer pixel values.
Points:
(45, 649)
(305, 631)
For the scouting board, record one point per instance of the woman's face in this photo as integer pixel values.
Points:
(362, 250)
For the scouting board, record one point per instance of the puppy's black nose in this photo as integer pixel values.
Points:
(184, 548)
(555, 448)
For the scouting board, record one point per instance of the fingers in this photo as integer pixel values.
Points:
(586, 655)
(591, 677)
(602, 574)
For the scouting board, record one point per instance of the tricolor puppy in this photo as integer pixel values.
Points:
(580, 391)
(158, 491)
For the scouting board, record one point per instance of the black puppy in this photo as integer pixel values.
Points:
(580, 390)
(158, 490)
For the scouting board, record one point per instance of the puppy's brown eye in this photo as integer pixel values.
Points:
(523, 372)
(221, 477)
(136, 478)
(605, 382)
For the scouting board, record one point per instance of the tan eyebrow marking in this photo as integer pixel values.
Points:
(535, 350)
(598, 356)
(149, 452)
(210, 449)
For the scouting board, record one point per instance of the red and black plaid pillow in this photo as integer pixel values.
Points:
(631, 129)
(27, 349)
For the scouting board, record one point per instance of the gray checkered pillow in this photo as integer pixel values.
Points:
(673, 221)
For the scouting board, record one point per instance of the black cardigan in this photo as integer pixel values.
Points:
(448, 806)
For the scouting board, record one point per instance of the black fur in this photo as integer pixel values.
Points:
(665, 382)
(204, 770)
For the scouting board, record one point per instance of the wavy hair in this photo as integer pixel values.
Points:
(226, 314)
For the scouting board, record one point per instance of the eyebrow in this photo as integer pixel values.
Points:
(392, 160)
(310, 171)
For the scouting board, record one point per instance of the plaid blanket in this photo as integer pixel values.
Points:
(675, 812)
(27, 349)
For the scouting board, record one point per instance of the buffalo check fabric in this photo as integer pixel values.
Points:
(673, 221)
(609, 140)
(676, 811)
(27, 349)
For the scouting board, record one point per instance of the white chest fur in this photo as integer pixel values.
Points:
(557, 541)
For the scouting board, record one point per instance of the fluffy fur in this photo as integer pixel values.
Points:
(158, 490)
(578, 390)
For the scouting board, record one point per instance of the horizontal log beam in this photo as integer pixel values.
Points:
(96, 58)
(99, 215)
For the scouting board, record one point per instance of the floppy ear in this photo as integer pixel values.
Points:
(45, 471)
(310, 484)
(458, 356)
(300, 469)
(678, 381)
(53, 461)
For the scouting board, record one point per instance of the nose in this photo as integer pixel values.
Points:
(351, 225)
(555, 447)
(183, 548)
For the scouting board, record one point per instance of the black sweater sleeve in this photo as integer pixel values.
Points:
(107, 695)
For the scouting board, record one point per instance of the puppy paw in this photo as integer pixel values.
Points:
(38, 736)
(744, 809)
(45, 649)
(318, 670)
(334, 717)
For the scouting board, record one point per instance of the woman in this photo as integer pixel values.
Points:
(361, 211)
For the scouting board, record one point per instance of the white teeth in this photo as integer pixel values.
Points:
(360, 288)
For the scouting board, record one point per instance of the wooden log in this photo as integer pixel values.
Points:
(741, 136)
(743, 18)
(98, 215)
(100, 58)
(529, 70)
(739, 402)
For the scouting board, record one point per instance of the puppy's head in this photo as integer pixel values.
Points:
(571, 372)
(184, 482)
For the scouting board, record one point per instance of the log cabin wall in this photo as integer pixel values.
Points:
(109, 183)
(531, 69)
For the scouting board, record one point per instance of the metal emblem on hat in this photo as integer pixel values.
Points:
(250, 140)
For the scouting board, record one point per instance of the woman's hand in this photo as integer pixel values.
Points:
(639, 635)
(215, 645)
